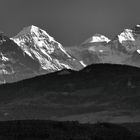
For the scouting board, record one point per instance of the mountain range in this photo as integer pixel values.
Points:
(30, 53)
(34, 52)
(122, 49)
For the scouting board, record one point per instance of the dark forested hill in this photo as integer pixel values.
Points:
(53, 130)
(98, 92)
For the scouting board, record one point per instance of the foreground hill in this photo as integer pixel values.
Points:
(52, 130)
(97, 93)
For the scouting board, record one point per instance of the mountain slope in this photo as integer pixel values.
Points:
(30, 53)
(123, 49)
(49, 53)
(14, 64)
(90, 51)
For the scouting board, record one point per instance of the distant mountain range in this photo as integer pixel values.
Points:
(34, 52)
(122, 49)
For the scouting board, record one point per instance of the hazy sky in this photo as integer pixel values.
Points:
(70, 21)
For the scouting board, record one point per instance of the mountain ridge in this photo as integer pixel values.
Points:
(42, 50)
(100, 91)
(40, 53)
(122, 49)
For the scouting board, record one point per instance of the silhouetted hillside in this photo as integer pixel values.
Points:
(53, 130)
(133, 127)
(66, 80)
(112, 90)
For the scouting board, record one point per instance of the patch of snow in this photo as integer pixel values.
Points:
(45, 64)
(3, 71)
(46, 54)
(92, 48)
(138, 51)
(138, 25)
(35, 29)
(62, 64)
(28, 53)
(63, 50)
(83, 63)
(101, 51)
(99, 38)
(126, 35)
(3, 58)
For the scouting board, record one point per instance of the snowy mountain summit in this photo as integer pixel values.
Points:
(33, 52)
(41, 47)
(130, 39)
(127, 35)
(97, 38)
(122, 49)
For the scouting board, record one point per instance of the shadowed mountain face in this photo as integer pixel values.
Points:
(14, 64)
(99, 92)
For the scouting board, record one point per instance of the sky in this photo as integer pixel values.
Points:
(70, 22)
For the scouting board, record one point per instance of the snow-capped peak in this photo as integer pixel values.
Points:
(138, 25)
(127, 35)
(97, 38)
(27, 30)
(33, 30)
(41, 47)
(138, 51)
(39, 36)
